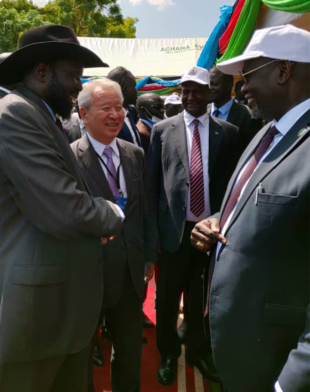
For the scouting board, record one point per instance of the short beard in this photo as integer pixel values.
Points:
(58, 99)
(261, 114)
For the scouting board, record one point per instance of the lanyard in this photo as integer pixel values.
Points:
(117, 179)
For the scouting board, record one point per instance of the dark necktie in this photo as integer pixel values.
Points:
(235, 194)
(111, 172)
(197, 200)
(216, 113)
(59, 125)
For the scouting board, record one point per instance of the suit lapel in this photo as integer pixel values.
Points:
(178, 133)
(289, 142)
(232, 115)
(215, 140)
(93, 168)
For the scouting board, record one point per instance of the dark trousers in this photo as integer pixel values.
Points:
(60, 374)
(124, 321)
(176, 271)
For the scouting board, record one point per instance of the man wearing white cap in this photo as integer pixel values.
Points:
(189, 164)
(259, 291)
(173, 105)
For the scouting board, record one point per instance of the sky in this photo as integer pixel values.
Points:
(171, 18)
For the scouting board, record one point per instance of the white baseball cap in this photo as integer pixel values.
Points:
(284, 42)
(196, 74)
(173, 99)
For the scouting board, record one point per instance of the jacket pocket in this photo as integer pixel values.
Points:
(291, 316)
(36, 275)
(272, 198)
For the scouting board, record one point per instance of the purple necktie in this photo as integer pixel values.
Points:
(111, 172)
(235, 194)
(197, 198)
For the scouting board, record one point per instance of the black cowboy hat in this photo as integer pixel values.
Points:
(44, 44)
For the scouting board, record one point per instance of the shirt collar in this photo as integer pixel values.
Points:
(291, 117)
(224, 108)
(188, 118)
(50, 110)
(147, 122)
(5, 90)
(100, 147)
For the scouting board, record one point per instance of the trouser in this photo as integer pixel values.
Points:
(177, 270)
(66, 373)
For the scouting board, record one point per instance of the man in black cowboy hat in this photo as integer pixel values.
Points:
(50, 248)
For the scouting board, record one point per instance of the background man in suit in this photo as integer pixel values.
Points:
(225, 108)
(74, 126)
(150, 110)
(260, 287)
(127, 81)
(115, 170)
(4, 90)
(50, 251)
(189, 166)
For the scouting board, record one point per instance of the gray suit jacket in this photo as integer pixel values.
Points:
(168, 169)
(51, 257)
(137, 242)
(260, 286)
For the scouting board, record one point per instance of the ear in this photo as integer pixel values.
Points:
(285, 70)
(41, 71)
(83, 114)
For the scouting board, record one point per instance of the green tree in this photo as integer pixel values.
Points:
(16, 16)
(88, 18)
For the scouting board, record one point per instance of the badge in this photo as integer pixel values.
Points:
(121, 202)
(193, 71)
(302, 132)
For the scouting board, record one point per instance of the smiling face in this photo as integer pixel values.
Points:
(195, 98)
(63, 86)
(105, 116)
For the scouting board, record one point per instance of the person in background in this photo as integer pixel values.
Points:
(150, 110)
(189, 165)
(173, 105)
(258, 296)
(74, 126)
(127, 81)
(115, 170)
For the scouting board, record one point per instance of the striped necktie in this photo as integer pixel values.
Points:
(197, 200)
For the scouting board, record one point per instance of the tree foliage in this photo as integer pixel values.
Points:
(88, 18)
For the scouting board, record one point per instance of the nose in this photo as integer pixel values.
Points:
(243, 88)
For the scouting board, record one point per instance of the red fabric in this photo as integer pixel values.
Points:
(225, 38)
(151, 88)
(150, 361)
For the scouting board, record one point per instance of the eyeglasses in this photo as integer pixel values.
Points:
(253, 70)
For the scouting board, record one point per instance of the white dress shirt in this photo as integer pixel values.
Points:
(99, 148)
(128, 123)
(203, 128)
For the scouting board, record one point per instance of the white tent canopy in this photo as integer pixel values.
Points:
(145, 57)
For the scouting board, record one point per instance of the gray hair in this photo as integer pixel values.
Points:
(85, 96)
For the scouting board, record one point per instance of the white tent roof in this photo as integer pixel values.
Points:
(145, 57)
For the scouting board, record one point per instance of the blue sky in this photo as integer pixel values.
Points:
(171, 18)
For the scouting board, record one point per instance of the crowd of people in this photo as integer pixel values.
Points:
(98, 186)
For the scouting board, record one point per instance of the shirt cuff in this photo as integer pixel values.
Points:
(277, 387)
(120, 212)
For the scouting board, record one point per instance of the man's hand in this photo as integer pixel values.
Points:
(104, 241)
(148, 271)
(206, 234)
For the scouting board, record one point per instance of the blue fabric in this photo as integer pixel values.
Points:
(223, 110)
(167, 83)
(210, 51)
(141, 83)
